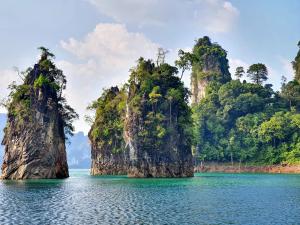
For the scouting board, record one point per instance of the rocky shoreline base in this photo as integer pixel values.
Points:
(236, 168)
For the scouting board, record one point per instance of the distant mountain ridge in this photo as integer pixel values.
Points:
(78, 150)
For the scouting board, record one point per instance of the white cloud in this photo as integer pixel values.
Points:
(7, 77)
(216, 16)
(274, 77)
(234, 63)
(133, 11)
(287, 68)
(106, 54)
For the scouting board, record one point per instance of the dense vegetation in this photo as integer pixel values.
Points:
(248, 122)
(160, 99)
(107, 129)
(44, 78)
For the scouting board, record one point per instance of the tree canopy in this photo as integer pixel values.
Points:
(258, 73)
(239, 72)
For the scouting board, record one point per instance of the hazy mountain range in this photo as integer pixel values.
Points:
(78, 148)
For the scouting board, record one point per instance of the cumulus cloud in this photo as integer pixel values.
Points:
(105, 56)
(213, 15)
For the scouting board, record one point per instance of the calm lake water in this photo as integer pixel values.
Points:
(205, 199)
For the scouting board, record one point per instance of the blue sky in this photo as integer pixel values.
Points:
(96, 42)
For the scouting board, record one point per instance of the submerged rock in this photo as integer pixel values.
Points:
(37, 120)
(109, 155)
(158, 123)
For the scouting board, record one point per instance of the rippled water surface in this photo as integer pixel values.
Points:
(204, 199)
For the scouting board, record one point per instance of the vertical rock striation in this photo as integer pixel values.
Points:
(37, 120)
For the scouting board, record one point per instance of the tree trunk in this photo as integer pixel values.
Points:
(181, 74)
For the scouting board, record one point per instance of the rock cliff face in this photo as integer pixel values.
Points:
(211, 64)
(198, 89)
(157, 122)
(34, 135)
(109, 155)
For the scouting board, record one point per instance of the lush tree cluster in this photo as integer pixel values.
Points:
(158, 96)
(249, 122)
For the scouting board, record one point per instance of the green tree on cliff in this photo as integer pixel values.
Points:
(239, 72)
(258, 73)
(185, 61)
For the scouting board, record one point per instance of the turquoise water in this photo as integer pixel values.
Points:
(205, 199)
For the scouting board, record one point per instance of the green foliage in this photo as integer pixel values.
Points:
(160, 99)
(244, 122)
(281, 136)
(41, 81)
(248, 122)
(107, 129)
(258, 73)
(185, 61)
(239, 72)
(291, 93)
(43, 78)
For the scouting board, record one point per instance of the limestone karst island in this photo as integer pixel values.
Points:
(150, 112)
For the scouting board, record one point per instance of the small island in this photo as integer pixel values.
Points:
(143, 130)
(38, 121)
